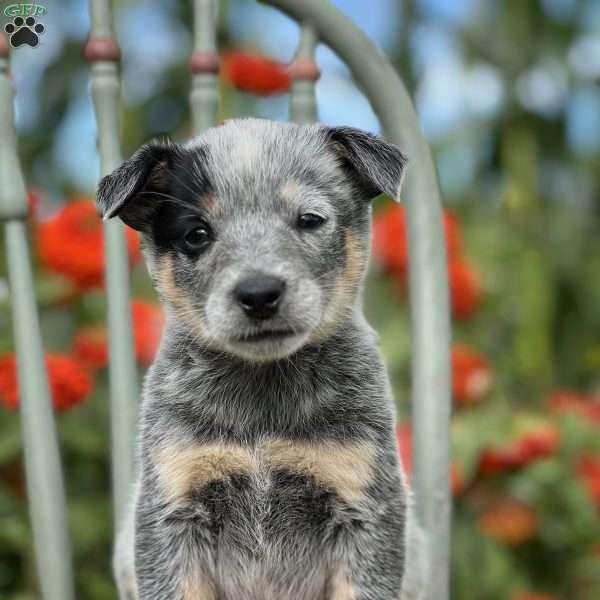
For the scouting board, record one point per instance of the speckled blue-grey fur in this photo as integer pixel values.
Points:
(268, 460)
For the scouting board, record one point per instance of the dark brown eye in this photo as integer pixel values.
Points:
(197, 239)
(310, 221)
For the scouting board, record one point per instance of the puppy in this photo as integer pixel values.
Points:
(268, 466)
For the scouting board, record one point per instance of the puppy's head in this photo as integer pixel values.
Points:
(256, 234)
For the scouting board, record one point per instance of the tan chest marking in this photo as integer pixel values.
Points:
(181, 471)
(344, 468)
(196, 586)
(341, 587)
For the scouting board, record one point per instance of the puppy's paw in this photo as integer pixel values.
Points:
(124, 562)
(413, 585)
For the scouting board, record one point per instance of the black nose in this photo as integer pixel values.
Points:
(259, 295)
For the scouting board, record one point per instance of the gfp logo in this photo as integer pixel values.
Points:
(24, 27)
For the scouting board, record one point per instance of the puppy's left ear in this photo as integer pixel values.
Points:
(133, 190)
(376, 165)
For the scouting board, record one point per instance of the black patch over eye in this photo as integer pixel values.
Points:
(310, 221)
(196, 239)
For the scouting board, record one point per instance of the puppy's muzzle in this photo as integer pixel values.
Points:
(259, 296)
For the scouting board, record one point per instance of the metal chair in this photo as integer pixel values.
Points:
(319, 21)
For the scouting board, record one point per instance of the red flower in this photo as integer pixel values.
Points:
(148, 322)
(452, 233)
(71, 244)
(569, 402)
(390, 238)
(404, 438)
(588, 470)
(509, 522)
(465, 291)
(255, 74)
(497, 460)
(70, 383)
(472, 375)
(90, 346)
(532, 596)
(457, 480)
(542, 441)
(539, 443)
(390, 249)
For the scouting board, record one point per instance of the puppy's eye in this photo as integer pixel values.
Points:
(197, 238)
(310, 221)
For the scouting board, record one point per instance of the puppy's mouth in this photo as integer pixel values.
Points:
(267, 344)
(267, 335)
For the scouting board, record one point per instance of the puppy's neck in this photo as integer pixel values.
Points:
(220, 391)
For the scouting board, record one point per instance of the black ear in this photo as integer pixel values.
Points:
(377, 165)
(128, 190)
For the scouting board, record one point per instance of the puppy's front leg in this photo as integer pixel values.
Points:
(373, 553)
(124, 556)
(170, 557)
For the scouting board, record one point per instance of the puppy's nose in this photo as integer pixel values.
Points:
(259, 295)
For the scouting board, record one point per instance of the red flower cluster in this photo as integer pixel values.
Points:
(588, 470)
(148, 321)
(533, 596)
(70, 384)
(255, 74)
(90, 345)
(71, 244)
(509, 522)
(465, 291)
(534, 444)
(569, 402)
(390, 248)
(472, 375)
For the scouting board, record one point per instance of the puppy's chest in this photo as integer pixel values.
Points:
(275, 489)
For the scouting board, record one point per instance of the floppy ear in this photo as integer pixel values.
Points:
(377, 165)
(127, 191)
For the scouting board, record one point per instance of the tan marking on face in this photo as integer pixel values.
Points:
(291, 190)
(356, 261)
(174, 297)
(166, 279)
(345, 287)
(182, 470)
(344, 468)
(197, 586)
(341, 587)
(210, 203)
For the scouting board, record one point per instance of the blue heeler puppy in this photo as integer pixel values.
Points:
(268, 466)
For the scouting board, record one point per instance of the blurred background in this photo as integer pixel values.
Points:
(508, 94)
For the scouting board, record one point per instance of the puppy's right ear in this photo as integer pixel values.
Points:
(132, 191)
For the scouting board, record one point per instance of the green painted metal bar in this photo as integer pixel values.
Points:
(47, 503)
(103, 53)
(430, 321)
(204, 65)
(304, 73)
